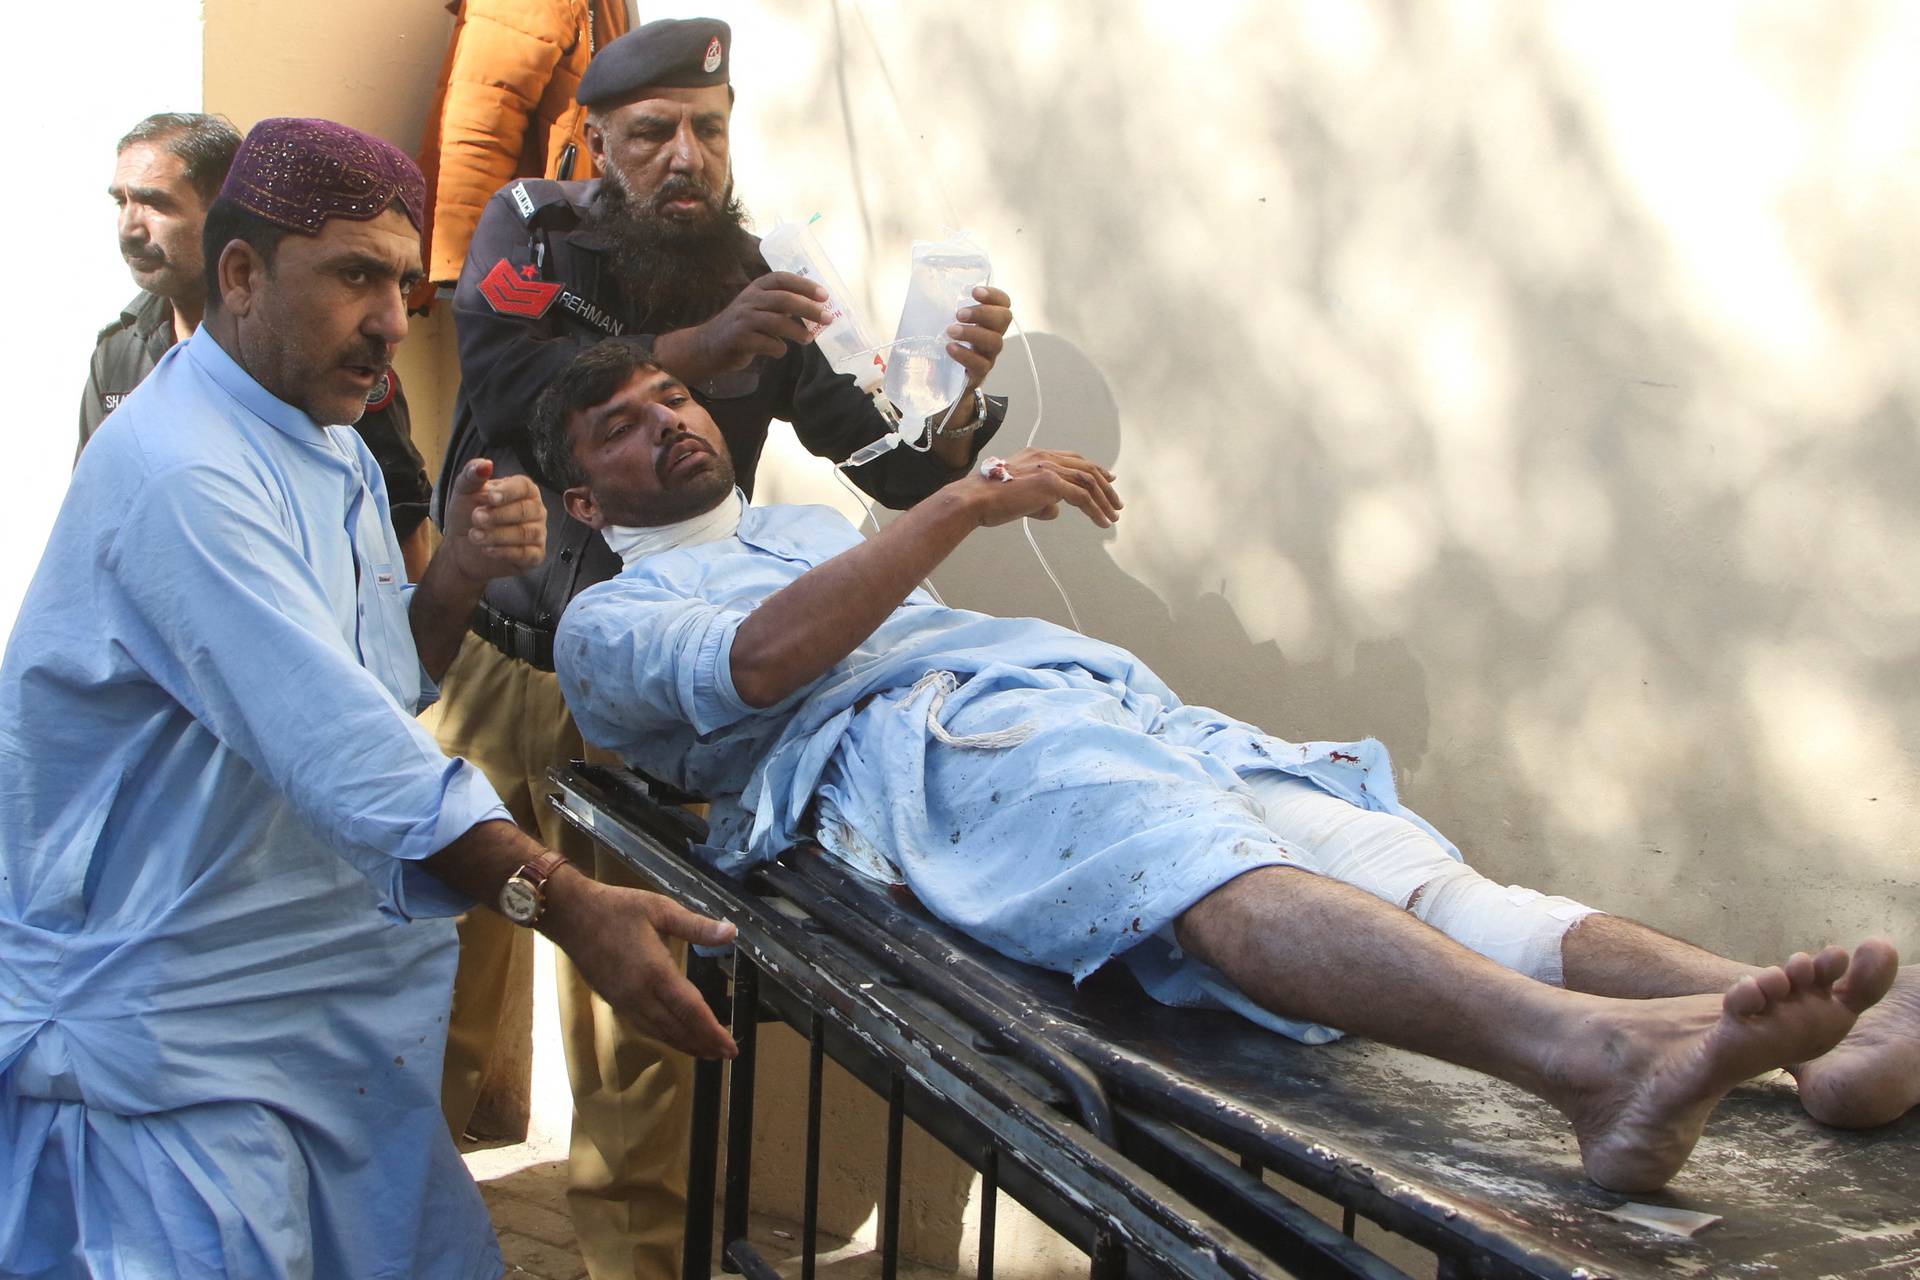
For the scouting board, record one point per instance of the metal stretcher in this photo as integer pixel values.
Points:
(1160, 1141)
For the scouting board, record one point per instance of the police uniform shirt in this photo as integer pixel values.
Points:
(123, 355)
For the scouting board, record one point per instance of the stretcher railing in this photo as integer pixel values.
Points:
(1151, 1138)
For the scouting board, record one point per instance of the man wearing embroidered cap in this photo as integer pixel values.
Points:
(654, 253)
(167, 171)
(230, 851)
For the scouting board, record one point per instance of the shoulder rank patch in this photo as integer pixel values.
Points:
(518, 291)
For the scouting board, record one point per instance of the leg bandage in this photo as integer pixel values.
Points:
(1396, 861)
(1510, 925)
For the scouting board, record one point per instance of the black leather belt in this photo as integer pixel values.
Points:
(531, 645)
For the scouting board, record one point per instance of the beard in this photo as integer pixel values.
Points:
(672, 271)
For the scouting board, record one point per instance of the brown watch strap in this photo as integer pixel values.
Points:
(540, 868)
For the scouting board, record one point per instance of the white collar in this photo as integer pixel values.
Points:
(634, 545)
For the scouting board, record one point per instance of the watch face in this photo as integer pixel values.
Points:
(520, 900)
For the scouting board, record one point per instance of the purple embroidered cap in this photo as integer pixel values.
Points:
(298, 173)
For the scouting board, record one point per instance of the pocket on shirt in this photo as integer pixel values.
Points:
(388, 636)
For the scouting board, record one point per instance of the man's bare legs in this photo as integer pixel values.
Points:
(1637, 1078)
(1872, 1078)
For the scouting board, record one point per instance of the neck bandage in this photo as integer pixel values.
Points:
(634, 545)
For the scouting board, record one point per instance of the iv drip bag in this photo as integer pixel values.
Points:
(921, 378)
(844, 339)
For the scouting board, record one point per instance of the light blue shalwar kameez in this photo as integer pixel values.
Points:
(220, 1024)
(1089, 810)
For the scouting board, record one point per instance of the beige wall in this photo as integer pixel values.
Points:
(1533, 387)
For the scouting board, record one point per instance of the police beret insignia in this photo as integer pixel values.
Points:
(380, 395)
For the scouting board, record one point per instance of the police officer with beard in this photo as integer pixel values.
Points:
(654, 252)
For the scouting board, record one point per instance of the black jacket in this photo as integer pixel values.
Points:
(516, 331)
(123, 356)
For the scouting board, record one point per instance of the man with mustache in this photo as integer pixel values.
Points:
(653, 254)
(228, 851)
(168, 170)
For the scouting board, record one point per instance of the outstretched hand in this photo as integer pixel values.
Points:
(616, 938)
(495, 528)
(1035, 483)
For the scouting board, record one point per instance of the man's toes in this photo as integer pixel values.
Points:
(1799, 969)
(1869, 974)
(1775, 982)
(1747, 996)
(1830, 965)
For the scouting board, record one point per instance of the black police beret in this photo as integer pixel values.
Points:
(668, 53)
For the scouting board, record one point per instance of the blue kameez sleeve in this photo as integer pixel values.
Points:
(227, 615)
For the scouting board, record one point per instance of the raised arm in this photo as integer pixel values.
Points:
(495, 528)
(797, 634)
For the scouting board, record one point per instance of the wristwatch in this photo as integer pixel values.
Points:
(524, 896)
(978, 420)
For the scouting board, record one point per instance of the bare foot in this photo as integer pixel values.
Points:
(1641, 1089)
(1873, 1078)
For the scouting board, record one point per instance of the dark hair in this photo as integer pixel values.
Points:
(589, 379)
(228, 221)
(204, 144)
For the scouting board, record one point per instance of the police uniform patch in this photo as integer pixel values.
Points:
(381, 394)
(712, 61)
(522, 200)
(518, 291)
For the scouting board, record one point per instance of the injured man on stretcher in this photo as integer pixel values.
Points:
(1049, 795)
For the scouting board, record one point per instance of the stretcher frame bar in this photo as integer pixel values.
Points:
(1463, 1245)
(991, 1110)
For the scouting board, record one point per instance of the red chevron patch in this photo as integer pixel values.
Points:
(512, 291)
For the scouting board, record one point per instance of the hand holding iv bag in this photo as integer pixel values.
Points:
(921, 378)
(844, 340)
(913, 375)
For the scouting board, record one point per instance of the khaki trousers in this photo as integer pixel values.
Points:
(626, 1170)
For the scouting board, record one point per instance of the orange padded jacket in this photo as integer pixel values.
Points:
(505, 108)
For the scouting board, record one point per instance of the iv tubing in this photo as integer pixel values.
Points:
(1039, 406)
